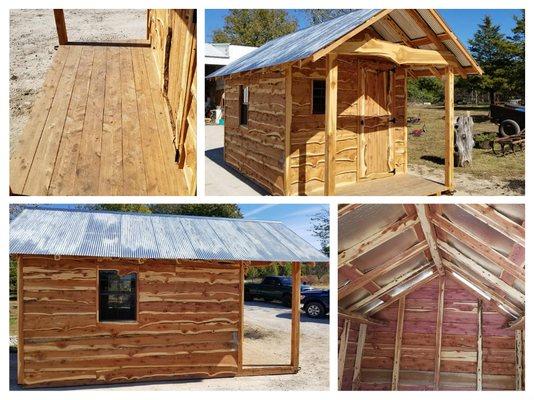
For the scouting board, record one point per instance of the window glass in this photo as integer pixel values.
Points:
(243, 105)
(319, 96)
(117, 296)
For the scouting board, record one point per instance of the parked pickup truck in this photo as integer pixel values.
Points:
(272, 288)
(316, 303)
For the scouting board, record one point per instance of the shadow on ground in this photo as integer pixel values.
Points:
(217, 156)
(434, 159)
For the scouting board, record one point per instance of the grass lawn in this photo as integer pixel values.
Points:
(429, 148)
(13, 330)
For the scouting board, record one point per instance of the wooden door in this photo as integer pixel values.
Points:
(375, 137)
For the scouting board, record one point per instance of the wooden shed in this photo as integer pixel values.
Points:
(323, 110)
(121, 297)
(431, 297)
(114, 118)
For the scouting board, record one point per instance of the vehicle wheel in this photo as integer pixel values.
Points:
(314, 310)
(286, 300)
(248, 296)
(508, 127)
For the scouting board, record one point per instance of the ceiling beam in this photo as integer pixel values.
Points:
(497, 221)
(347, 208)
(376, 239)
(474, 243)
(404, 293)
(382, 269)
(430, 235)
(383, 290)
(426, 40)
(495, 297)
(481, 271)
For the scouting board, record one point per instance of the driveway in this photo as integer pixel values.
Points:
(267, 340)
(221, 178)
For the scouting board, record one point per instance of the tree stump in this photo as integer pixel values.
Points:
(463, 140)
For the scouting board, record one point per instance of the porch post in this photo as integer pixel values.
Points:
(61, 28)
(330, 125)
(295, 315)
(448, 82)
(287, 140)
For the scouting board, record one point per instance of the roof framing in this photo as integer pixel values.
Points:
(453, 246)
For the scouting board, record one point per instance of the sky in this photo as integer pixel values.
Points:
(464, 23)
(297, 217)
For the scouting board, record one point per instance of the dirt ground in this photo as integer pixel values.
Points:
(33, 43)
(489, 174)
(267, 340)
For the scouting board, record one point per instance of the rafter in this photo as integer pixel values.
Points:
(406, 292)
(378, 238)
(516, 324)
(407, 255)
(383, 290)
(470, 240)
(430, 235)
(497, 221)
(421, 23)
(347, 208)
(481, 271)
(495, 298)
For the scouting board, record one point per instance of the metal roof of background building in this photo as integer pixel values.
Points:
(297, 45)
(130, 235)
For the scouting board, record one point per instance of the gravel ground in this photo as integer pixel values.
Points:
(270, 325)
(33, 43)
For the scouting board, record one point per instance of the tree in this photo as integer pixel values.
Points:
(253, 27)
(321, 229)
(495, 54)
(517, 73)
(316, 16)
(425, 89)
(206, 210)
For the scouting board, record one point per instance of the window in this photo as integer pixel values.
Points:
(319, 96)
(243, 105)
(117, 296)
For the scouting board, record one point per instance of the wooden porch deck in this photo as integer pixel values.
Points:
(100, 126)
(395, 185)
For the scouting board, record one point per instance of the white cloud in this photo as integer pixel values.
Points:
(260, 209)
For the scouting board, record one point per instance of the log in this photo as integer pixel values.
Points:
(464, 143)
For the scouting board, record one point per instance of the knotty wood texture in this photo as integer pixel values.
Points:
(458, 366)
(97, 128)
(188, 322)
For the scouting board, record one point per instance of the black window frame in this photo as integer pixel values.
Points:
(318, 101)
(111, 315)
(243, 105)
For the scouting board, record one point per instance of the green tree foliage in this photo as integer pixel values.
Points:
(206, 210)
(316, 16)
(498, 56)
(253, 27)
(517, 74)
(425, 90)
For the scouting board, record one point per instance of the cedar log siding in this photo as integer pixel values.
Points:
(257, 149)
(188, 315)
(459, 344)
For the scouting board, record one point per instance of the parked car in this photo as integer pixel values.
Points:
(509, 117)
(316, 303)
(272, 288)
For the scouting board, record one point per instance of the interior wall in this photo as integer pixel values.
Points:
(187, 327)
(459, 344)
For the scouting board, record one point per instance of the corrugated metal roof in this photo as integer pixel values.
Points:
(297, 45)
(128, 235)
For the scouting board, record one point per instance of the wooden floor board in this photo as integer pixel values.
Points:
(100, 126)
(396, 185)
(64, 173)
